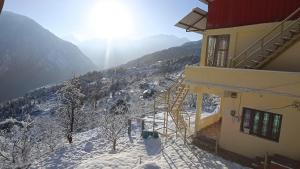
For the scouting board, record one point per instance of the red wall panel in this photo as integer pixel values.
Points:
(230, 13)
(1, 5)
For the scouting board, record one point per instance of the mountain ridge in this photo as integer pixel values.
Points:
(32, 56)
(107, 54)
(192, 48)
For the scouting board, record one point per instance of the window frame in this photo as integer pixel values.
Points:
(213, 61)
(271, 117)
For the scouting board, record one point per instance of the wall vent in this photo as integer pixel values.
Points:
(230, 94)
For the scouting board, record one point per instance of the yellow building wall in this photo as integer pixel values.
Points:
(231, 138)
(209, 120)
(289, 60)
(283, 89)
(258, 81)
(242, 37)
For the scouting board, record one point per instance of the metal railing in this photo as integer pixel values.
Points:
(261, 43)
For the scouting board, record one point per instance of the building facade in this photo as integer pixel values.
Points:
(250, 58)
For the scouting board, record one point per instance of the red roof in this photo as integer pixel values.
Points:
(1, 5)
(195, 21)
(231, 13)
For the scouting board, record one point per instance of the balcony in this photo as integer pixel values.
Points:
(244, 80)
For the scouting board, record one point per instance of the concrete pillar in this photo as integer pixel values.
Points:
(198, 112)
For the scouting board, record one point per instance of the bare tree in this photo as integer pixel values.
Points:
(114, 122)
(210, 103)
(191, 101)
(69, 111)
(17, 145)
(50, 132)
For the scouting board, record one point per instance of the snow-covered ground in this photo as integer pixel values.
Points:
(90, 151)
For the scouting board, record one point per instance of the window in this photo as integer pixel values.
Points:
(247, 119)
(217, 50)
(262, 124)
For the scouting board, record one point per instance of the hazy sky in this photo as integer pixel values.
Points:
(84, 19)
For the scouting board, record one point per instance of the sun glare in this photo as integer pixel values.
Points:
(110, 19)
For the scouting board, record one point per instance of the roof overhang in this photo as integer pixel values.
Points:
(206, 1)
(1, 5)
(195, 21)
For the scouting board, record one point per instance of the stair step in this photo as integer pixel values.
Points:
(278, 44)
(248, 67)
(255, 61)
(259, 59)
(176, 106)
(293, 31)
(261, 56)
(270, 50)
(285, 38)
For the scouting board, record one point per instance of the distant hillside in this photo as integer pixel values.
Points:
(31, 56)
(189, 50)
(109, 54)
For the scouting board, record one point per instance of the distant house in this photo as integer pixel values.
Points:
(250, 58)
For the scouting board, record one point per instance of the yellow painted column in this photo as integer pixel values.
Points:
(198, 112)
(221, 111)
(203, 50)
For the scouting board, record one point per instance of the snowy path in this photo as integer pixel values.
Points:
(91, 152)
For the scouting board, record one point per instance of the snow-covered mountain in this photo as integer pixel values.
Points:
(107, 54)
(31, 56)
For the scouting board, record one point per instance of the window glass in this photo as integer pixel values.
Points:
(261, 124)
(247, 117)
(211, 50)
(256, 123)
(223, 44)
(217, 50)
(265, 124)
(276, 126)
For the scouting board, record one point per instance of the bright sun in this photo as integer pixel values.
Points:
(110, 19)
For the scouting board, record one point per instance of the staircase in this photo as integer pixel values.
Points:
(172, 101)
(176, 109)
(268, 47)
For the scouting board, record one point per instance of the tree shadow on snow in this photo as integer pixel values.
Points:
(169, 160)
(195, 158)
(208, 160)
(56, 161)
(153, 146)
